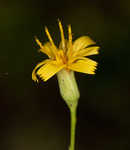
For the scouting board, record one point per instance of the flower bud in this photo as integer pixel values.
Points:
(68, 87)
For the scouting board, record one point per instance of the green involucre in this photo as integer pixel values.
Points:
(68, 87)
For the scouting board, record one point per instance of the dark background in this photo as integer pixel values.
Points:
(33, 116)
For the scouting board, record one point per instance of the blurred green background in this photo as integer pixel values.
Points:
(33, 116)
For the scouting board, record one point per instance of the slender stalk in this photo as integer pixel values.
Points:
(72, 128)
(70, 94)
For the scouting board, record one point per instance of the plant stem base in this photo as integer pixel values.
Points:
(72, 128)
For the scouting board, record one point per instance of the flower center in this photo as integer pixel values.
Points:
(62, 57)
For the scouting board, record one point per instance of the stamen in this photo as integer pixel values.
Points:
(62, 35)
(39, 43)
(70, 34)
(49, 37)
(69, 52)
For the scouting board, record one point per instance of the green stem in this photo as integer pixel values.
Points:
(72, 128)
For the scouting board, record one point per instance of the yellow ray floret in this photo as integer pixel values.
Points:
(48, 70)
(34, 77)
(70, 55)
(93, 50)
(82, 42)
(87, 66)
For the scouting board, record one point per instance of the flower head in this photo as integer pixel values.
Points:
(69, 55)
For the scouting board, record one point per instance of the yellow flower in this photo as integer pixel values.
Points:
(69, 55)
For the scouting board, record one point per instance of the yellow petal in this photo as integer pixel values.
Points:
(82, 43)
(34, 77)
(84, 65)
(87, 51)
(49, 70)
(91, 51)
